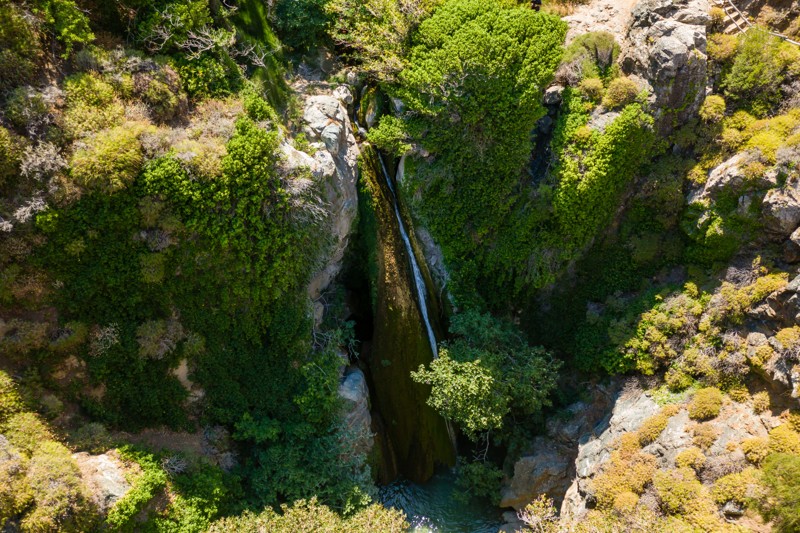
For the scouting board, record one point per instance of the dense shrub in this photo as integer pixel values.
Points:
(783, 439)
(19, 47)
(310, 516)
(705, 404)
(375, 32)
(757, 72)
(62, 502)
(620, 92)
(589, 55)
(761, 402)
(9, 156)
(653, 426)
(88, 88)
(28, 111)
(592, 88)
(691, 458)
(713, 109)
(782, 476)
(110, 161)
(68, 23)
(755, 449)
(485, 373)
(301, 24)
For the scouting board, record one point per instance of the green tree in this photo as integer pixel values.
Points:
(486, 372)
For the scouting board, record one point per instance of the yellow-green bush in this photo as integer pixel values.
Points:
(713, 108)
(10, 400)
(739, 487)
(26, 431)
(80, 119)
(691, 458)
(653, 426)
(681, 493)
(722, 47)
(704, 435)
(755, 449)
(625, 502)
(705, 404)
(620, 92)
(761, 402)
(110, 161)
(88, 88)
(14, 492)
(592, 88)
(622, 474)
(61, 501)
(783, 439)
(10, 151)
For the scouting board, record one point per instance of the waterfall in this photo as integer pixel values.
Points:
(419, 282)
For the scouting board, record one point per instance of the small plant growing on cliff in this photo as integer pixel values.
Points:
(705, 404)
(755, 449)
(653, 426)
(620, 92)
(783, 439)
(761, 402)
(713, 109)
(705, 435)
(691, 458)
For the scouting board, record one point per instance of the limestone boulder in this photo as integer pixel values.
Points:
(781, 210)
(335, 166)
(104, 475)
(666, 48)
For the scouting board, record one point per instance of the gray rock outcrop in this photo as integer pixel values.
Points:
(781, 210)
(335, 165)
(666, 48)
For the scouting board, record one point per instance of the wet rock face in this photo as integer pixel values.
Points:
(335, 163)
(666, 48)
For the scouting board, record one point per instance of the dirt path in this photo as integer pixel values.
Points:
(601, 15)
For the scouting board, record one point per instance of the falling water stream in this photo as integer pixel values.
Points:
(432, 506)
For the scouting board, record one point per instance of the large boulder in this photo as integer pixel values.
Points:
(781, 210)
(666, 48)
(545, 472)
(357, 420)
(104, 475)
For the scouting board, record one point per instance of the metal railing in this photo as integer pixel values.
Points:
(723, 3)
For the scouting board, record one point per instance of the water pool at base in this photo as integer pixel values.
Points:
(432, 507)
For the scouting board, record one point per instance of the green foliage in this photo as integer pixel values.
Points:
(757, 73)
(10, 399)
(591, 55)
(480, 480)
(592, 88)
(471, 57)
(705, 404)
(782, 476)
(713, 108)
(301, 24)
(209, 76)
(110, 161)
(620, 92)
(486, 372)
(19, 47)
(145, 486)
(391, 136)
(309, 516)
(376, 33)
(67, 22)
